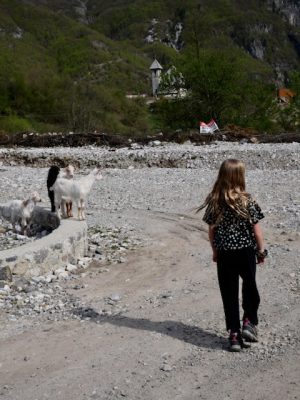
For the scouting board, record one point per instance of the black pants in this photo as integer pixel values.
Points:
(233, 264)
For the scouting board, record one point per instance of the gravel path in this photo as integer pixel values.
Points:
(144, 319)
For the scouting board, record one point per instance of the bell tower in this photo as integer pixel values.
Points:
(156, 69)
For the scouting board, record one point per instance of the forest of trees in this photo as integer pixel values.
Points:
(59, 74)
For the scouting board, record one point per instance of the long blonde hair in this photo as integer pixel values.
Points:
(229, 189)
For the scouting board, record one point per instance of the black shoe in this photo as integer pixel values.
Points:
(249, 331)
(235, 342)
(244, 345)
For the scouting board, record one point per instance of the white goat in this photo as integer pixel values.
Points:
(20, 211)
(68, 173)
(54, 173)
(75, 191)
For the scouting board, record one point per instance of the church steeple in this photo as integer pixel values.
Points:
(156, 69)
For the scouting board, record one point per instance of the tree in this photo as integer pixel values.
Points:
(222, 86)
(289, 116)
(295, 85)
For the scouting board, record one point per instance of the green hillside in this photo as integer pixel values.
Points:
(68, 64)
(58, 73)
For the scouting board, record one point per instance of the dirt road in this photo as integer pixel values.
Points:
(168, 339)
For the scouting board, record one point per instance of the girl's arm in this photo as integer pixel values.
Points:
(211, 236)
(258, 237)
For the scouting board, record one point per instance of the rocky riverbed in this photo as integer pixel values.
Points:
(141, 317)
(158, 154)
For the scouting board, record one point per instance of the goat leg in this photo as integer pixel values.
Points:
(64, 209)
(82, 209)
(71, 212)
(69, 209)
(57, 208)
(23, 226)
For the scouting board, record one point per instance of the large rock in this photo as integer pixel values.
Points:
(5, 274)
(45, 218)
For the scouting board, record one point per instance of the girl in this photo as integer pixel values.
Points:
(236, 238)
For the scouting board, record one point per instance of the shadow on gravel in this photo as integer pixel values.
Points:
(178, 330)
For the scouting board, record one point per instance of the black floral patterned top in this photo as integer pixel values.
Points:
(233, 232)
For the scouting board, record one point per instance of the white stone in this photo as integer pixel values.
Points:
(21, 237)
(59, 271)
(84, 262)
(166, 368)
(115, 297)
(71, 267)
(50, 278)
(39, 297)
(156, 142)
(28, 257)
(63, 275)
(38, 279)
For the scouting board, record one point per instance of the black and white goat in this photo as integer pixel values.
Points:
(75, 191)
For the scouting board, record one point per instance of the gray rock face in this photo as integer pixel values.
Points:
(167, 32)
(289, 9)
(81, 11)
(257, 49)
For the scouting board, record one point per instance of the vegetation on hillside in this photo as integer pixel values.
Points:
(58, 73)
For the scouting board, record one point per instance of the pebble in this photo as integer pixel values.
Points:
(71, 267)
(115, 297)
(166, 368)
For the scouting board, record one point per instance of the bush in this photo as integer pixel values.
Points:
(222, 86)
(13, 124)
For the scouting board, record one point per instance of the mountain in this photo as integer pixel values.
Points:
(269, 30)
(69, 63)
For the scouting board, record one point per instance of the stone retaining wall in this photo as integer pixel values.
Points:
(64, 245)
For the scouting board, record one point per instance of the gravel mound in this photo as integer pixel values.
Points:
(263, 156)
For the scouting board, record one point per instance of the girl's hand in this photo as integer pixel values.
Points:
(211, 234)
(261, 255)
